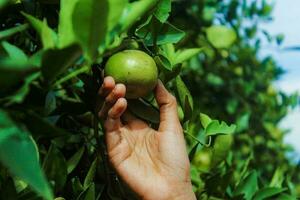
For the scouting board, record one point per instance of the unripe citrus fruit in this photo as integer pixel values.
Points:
(221, 148)
(135, 69)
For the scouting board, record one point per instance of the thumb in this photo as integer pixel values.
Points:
(168, 109)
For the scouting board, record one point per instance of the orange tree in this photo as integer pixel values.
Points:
(52, 55)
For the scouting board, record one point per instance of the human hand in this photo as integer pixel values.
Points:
(154, 163)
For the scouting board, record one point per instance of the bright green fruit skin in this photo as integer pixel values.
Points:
(135, 69)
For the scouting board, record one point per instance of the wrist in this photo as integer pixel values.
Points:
(184, 192)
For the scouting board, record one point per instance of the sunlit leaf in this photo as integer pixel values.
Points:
(163, 10)
(218, 128)
(268, 192)
(65, 27)
(205, 120)
(134, 11)
(14, 52)
(185, 97)
(90, 25)
(162, 33)
(248, 186)
(185, 55)
(47, 35)
(221, 36)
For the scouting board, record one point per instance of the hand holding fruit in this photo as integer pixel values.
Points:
(154, 163)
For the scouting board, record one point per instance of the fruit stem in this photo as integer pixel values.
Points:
(72, 75)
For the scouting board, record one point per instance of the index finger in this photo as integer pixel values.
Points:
(107, 86)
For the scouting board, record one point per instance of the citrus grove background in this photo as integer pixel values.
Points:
(52, 54)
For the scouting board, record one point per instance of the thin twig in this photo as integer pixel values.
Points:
(72, 75)
(102, 150)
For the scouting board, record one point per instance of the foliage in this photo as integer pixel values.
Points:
(52, 54)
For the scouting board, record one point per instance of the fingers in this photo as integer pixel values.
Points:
(113, 107)
(107, 86)
(113, 123)
(113, 95)
(168, 109)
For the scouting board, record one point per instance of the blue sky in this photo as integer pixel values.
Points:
(287, 21)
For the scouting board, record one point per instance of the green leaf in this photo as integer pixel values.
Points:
(10, 32)
(185, 55)
(57, 61)
(220, 149)
(268, 192)
(221, 36)
(91, 174)
(90, 25)
(34, 22)
(21, 93)
(164, 33)
(76, 186)
(134, 11)
(74, 160)
(55, 167)
(65, 26)
(47, 35)
(286, 197)
(3, 3)
(163, 63)
(243, 122)
(248, 186)
(13, 72)
(14, 52)
(278, 178)
(185, 98)
(163, 10)
(116, 9)
(193, 151)
(205, 120)
(36, 59)
(214, 80)
(19, 154)
(20, 184)
(170, 75)
(50, 103)
(88, 193)
(217, 128)
(15, 68)
(169, 51)
(42, 128)
(144, 110)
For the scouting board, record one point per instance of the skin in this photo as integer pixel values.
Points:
(153, 163)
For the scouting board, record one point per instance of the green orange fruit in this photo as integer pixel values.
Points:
(135, 69)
